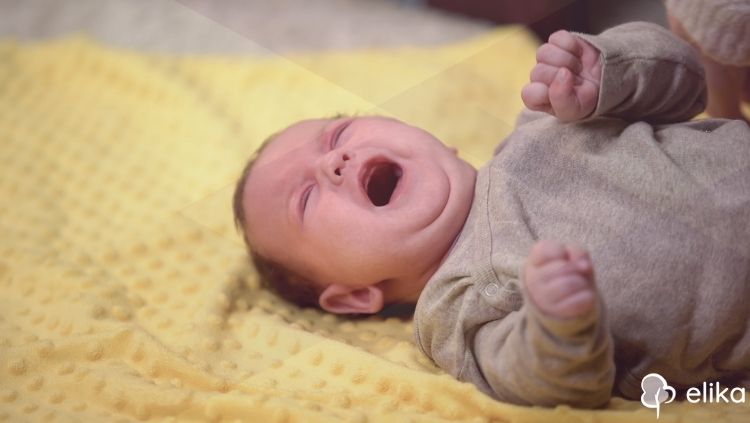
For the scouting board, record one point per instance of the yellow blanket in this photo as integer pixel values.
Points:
(124, 291)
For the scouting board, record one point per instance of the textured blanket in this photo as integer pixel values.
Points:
(125, 293)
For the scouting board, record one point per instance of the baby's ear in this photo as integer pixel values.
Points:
(340, 299)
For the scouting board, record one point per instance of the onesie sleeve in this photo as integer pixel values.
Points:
(528, 358)
(648, 74)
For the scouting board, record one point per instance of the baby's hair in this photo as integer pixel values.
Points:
(275, 277)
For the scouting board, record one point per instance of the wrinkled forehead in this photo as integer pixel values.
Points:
(292, 138)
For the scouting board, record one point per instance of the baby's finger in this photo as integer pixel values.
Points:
(535, 96)
(553, 55)
(546, 250)
(556, 269)
(576, 305)
(566, 41)
(562, 98)
(579, 257)
(560, 288)
(543, 73)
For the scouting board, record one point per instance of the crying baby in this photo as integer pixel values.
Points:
(606, 239)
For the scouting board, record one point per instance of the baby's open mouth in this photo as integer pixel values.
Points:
(380, 180)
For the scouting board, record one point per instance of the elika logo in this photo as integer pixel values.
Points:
(656, 391)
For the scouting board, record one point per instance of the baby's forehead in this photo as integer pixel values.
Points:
(291, 139)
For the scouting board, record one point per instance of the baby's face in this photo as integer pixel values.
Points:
(356, 201)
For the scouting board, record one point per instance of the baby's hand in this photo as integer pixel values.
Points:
(560, 279)
(565, 80)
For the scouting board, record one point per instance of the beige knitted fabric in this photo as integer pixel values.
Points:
(662, 210)
(720, 27)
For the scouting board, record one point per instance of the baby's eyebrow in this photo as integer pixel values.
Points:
(320, 137)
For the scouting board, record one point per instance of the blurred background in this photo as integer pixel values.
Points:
(263, 26)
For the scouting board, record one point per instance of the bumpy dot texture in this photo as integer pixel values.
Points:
(125, 294)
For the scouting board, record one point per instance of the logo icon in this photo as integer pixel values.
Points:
(656, 391)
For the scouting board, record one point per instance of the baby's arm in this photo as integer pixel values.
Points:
(557, 348)
(636, 71)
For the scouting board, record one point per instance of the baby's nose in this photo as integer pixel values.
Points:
(332, 165)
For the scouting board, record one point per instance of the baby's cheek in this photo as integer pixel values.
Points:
(336, 229)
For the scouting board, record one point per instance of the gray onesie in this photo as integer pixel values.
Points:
(662, 205)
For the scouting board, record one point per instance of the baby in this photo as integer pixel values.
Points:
(607, 238)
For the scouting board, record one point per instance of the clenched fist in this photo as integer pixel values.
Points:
(560, 279)
(565, 81)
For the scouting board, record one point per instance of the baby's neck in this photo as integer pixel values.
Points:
(409, 288)
(408, 291)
